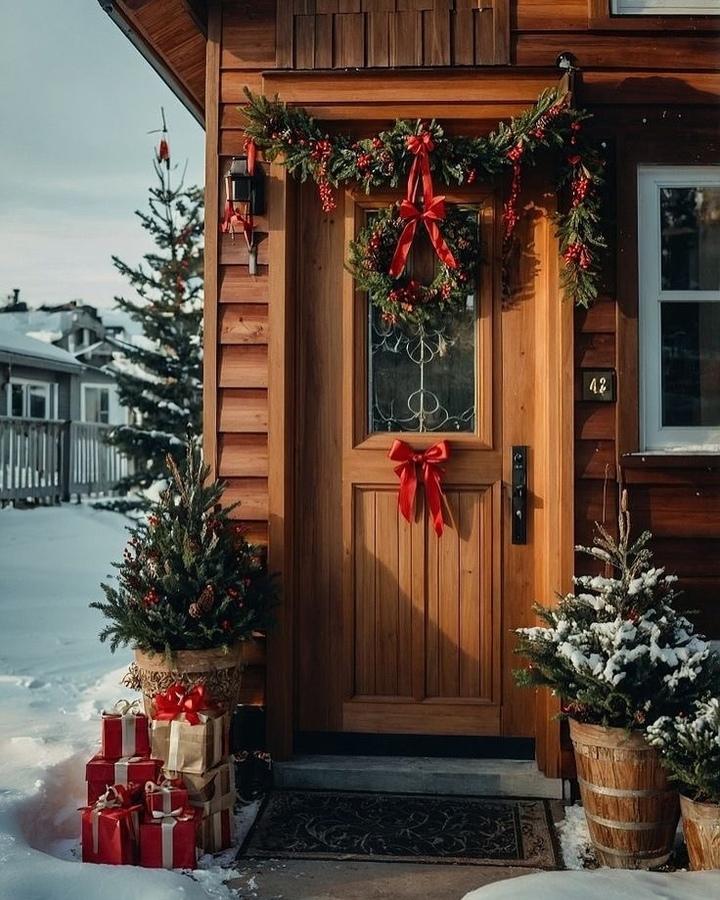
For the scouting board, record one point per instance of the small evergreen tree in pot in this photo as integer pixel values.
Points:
(689, 744)
(190, 588)
(620, 655)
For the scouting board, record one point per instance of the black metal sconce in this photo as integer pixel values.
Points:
(247, 187)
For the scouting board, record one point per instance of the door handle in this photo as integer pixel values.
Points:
(518, 503)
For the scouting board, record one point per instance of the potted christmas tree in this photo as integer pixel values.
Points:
(620, 656)
(690, 748)
(190, 590)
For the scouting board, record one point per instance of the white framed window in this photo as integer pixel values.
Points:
(31, 399)
(666, 7)
(679, 309)
(95, 403)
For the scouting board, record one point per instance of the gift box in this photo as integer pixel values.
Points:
(125, 731)
(132, 772)
(189, 732)
(169, 842)
(110, 829)
(188, 747)
(167, 795)
(217, 804)
(216, 832)
(206, 786)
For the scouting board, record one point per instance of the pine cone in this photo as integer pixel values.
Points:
(204, 602)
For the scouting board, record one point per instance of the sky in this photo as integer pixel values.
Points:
(76, 103)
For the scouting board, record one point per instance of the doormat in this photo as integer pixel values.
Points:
(404, 828)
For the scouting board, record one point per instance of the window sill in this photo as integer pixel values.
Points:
(706, 460)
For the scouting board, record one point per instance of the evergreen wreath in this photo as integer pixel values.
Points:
(384, 160)
(403, 300)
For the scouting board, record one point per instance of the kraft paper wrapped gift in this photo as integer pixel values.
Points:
(131, 771)
(187, 747)
(169, 842)
(125, 731)
(167, 796)
(216, 832)
(110, 829)
(217, 804)
(208, 786)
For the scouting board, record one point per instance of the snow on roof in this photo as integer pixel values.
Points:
(19, 344)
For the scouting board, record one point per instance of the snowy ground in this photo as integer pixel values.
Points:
(55, 677)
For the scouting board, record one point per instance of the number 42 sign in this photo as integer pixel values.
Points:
(598, 385)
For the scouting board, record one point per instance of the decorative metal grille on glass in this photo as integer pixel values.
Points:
(422, 379)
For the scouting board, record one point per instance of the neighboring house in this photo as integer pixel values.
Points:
(80, 331)
(383, 628)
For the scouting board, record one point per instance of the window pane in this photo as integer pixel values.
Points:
(97, 403)
(422, 380)
(16, 400)
(104, 405)
(690, 238)
(37, 398)
(690, 364)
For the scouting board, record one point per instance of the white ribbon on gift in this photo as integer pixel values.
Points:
(165, 789)
(127, 711)
(173, 762)
(122, 767)
(109, 800)
(167, 825)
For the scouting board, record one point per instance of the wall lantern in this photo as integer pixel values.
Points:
(244, 199)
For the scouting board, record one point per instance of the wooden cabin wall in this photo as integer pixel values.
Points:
(633, 70)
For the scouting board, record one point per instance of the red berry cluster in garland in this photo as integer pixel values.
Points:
(321, 152)
(578, 253)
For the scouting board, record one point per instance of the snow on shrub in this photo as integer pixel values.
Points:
(616, 651)
(690, 747)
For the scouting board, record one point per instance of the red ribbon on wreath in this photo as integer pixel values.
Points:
(430, 471)
(433, 212)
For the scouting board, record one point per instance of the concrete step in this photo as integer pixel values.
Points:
(417, 775)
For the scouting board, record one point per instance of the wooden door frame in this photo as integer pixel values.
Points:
(552, 520)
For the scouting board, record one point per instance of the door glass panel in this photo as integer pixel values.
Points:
(690, 238)
(16, 400)
(423, 379)
(690, 364)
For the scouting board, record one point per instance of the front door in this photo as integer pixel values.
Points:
(398, 630)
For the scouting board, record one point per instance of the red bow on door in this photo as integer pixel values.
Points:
(431, 474)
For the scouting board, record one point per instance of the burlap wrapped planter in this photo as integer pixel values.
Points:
(632, 812)
(219, 668)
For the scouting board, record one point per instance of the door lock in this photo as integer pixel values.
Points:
(519, 494)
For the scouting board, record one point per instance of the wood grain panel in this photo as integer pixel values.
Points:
(594, 421)
(595, 459)
(243, 323)
(365, 592)
(595, 350)
(600, 317)
(251, 495)
(676, 511)
(234, 250)
(243, 367)
(243, 411)
(387, 593)
(243, 455)
(249, 35)
(236, 286)
(406, 38)
(349, 40)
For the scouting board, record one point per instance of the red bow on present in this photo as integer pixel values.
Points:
(420, 145)
(177, 700)
(430, 471)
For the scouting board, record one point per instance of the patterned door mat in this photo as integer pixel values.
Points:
(404, 827)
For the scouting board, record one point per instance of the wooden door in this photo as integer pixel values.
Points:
(396, 630)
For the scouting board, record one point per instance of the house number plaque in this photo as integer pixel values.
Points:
(598, 385)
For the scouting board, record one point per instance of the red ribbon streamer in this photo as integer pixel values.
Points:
(421, 145)
(176, 700)
(431, 474)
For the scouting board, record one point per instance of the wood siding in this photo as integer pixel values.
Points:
(653, 83)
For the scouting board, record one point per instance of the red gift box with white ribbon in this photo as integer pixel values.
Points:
(110, 829)
(169, 842)
(125, 731)
(130, 771)
(167, 795)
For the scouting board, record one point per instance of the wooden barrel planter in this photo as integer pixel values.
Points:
(631, 810)
(701, 826)
(220, 669)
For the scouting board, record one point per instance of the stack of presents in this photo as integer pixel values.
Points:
(162, 787)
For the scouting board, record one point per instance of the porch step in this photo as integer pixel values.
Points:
(417, 775)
